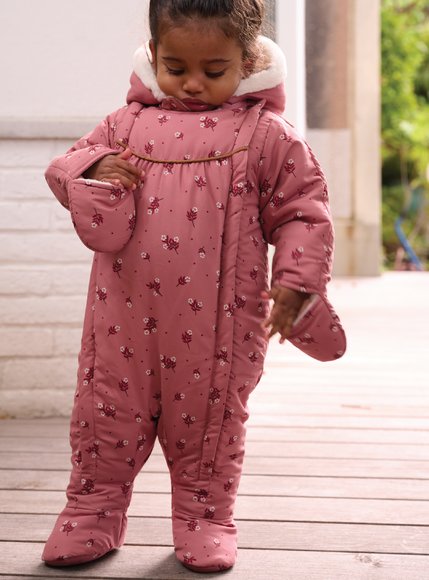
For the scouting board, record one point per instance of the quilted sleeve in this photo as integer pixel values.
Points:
(295, 218)
(103, 214)
(294, 210)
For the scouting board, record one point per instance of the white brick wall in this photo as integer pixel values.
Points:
(44, 272)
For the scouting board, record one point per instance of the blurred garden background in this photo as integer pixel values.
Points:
(405, 133)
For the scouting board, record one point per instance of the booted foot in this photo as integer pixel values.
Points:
(204, 545)
(83, 536)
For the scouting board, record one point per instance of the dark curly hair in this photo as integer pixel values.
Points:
(239, 19)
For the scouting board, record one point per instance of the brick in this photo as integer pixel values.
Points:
(61, 220)
(24, 280)
(21, 183)
(44, 247)
(67, 341)
(42, 310)
(42, 280)
(24, 403)
(26, 342)
(24, 216)
(35, 374)
(27, 153)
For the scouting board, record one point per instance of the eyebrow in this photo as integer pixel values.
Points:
(211, 61)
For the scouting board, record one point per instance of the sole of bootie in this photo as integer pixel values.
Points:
(94, 537)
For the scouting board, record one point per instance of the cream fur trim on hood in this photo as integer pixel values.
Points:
(274, 74)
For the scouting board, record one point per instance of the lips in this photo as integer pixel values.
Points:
(196, 105)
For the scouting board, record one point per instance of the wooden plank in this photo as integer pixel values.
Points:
(263, 485)
(348, 467)
(339, 421)
(319, 408)
(159, 563)
(60, 432)
(404, 451)
(334, 510)
(254, 535)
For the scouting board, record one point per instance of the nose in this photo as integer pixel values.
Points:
(192, 85)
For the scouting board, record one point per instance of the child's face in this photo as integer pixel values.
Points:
(198, 62)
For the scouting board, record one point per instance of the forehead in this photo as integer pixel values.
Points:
(198, 38)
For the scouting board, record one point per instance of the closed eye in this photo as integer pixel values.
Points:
(175, 71)
(215, 75)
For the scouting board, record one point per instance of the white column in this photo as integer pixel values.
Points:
(290, 35)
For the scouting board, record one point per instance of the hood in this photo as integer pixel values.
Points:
(266, 82)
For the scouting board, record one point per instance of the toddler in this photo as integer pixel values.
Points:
(179, 194)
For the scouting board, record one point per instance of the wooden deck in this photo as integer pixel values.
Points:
(336, 479)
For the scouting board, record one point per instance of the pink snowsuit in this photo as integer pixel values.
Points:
(172, 341)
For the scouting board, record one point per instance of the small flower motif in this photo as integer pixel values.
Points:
(68, 527)
(88, 376)
(150, 325)
(200, 181)
(278, 200)
(154, 205)
(209, 513)
(179, 135)
(222, 356)
(227, 486)
(196, 305)
(197, 374)
(155, 286)
(232, 440)
(253, 356)
(97, 219)
(129, 302)
(187, 338)
(168, 168)
(125, 487)
(297, 254)
(188, 558)
(208, 122)
(192, 215)
(101, 294)
(188, 419)
(150, 372)
(149, 147)
(170, 243)
(181, 444)
(220, 205)
(107, 410)
(254, 273)
(193, 526)
(179, 397)
(284, 137)
(162, 119)
(123, 385)
(290, 167)
(113, 330)
(202, 252)
(183, 280)
(138, 418)
(141, 440)
(117, 266)
(132, 220)
(201, 495)
(127, 353)
(131, 462)
(145, 256)
(121, 444)
(168, 362)
(248, 336)
(214, 396)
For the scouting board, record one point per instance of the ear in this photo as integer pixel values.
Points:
(151, 52)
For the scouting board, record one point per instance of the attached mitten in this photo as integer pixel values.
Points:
(317, 330)
(83, 536)
(103, 214)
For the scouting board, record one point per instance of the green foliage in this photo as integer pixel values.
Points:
(404, 115)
